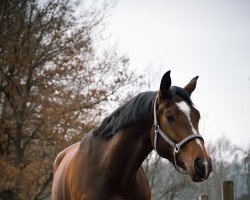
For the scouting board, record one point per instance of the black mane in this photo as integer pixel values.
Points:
(136, 109)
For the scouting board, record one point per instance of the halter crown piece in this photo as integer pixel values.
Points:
(176, 146)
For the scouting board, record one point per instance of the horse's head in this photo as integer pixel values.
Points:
(176, 135)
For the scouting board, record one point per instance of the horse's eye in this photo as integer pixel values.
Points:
(170, 118)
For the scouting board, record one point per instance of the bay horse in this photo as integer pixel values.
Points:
(107, 163)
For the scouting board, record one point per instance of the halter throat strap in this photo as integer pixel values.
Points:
(176, 146)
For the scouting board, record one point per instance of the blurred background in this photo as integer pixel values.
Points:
(66, 64)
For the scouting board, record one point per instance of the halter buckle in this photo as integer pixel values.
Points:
(157, 127)
(176, 148)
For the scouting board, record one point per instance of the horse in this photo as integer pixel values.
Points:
(107, 163)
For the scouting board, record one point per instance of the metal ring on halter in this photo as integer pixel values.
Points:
(157, 127)
(177, 148)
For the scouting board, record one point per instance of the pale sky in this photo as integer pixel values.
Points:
(209, 38)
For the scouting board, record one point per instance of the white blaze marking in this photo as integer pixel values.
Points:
(184, 107)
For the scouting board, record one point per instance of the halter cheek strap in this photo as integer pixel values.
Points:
(176, 146)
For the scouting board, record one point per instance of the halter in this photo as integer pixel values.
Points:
(176, 146)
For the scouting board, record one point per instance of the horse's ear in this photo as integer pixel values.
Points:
(191, 85)
(165, 85)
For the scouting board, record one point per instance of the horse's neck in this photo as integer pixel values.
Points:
(131, 147)
(142, 148)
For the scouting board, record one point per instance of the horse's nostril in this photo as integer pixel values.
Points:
(200, 167)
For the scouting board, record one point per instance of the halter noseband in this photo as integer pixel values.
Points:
(176, 146)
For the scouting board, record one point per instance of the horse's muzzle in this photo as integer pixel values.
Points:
(202, 168)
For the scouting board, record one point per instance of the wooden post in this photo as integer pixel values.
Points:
(203, 197)
(227, 190)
